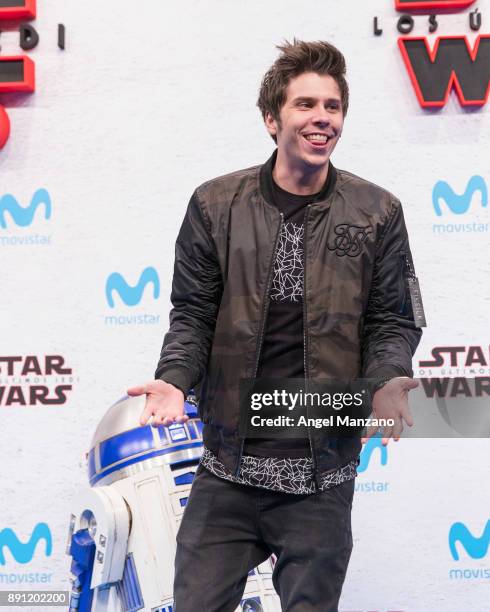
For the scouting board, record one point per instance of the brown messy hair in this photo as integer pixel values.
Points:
(296, 58)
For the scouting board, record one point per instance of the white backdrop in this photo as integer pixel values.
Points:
(146, 102)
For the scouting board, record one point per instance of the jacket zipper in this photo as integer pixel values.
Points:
(408, 263)
(405, 266)
(265, 308)
(305, 343)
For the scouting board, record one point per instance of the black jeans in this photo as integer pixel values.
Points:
(228, 529)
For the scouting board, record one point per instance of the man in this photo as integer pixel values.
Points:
(292, 269)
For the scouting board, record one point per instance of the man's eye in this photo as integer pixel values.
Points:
(305, 104)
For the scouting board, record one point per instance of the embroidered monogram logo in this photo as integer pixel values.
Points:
(349, 239)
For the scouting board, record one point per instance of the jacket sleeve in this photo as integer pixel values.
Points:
(390, 335)
(196, 295)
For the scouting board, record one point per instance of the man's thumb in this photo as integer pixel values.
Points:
(411, 383)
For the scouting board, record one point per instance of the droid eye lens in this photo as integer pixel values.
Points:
(252, 605)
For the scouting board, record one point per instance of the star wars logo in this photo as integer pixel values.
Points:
(452, 63)
(473, 359)
(31, 380)
(461, 371)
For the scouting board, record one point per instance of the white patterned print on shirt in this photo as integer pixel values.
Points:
(287, 283)
(286, 475)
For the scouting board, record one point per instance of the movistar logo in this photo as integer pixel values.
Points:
(459, 204)
(476, 547)
(131, 295)
(24, 551)
(375, 442)
(23, 216)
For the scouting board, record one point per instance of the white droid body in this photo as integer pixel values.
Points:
(123, 529)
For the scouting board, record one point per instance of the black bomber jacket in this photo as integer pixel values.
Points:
(358, 315)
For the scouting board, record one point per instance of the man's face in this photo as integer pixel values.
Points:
(311, 121)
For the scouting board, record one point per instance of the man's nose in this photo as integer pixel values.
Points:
(321, 117)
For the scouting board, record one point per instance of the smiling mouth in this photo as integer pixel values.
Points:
(317, 140)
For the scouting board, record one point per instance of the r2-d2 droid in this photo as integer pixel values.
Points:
(123, 528)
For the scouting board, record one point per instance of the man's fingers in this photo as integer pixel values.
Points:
(146, 414)
(397, 429)
(370, 431)
(144, 419)
(182, 418)
(166, 419)
(407, 416)
(158, 405)
(138, 390)
(387, 433)
(160, 414)
(160, 418)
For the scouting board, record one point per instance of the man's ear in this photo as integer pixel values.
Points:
(270, 124)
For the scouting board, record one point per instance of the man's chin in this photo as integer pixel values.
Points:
(317, 160)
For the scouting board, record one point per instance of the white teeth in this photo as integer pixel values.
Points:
(317, 137)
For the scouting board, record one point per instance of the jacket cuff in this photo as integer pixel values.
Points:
(178, 377)
(388, 371)
(381, 375)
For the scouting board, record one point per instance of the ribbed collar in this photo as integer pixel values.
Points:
(267, 184)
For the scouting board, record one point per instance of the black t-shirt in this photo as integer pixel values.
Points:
(282, 353)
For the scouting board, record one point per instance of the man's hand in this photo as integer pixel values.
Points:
(164, 402)
(391, 402)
